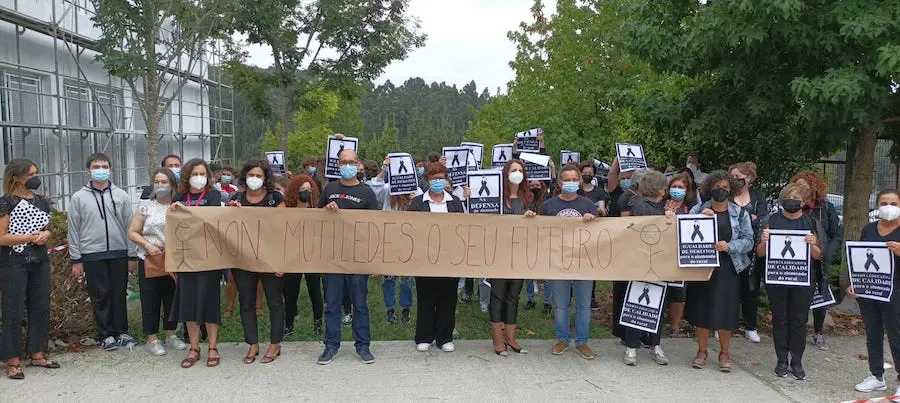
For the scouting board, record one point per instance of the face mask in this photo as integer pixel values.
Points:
(100, 175)
(677, 193)
(161, 190)
(420, 171)
(791, 205)
(740, 183)
(311, 170)
(348, 171)
(587, 178)
(305, 195)
(437, 185)
(719, 194)
(888, 212)
(570, 187)
(254, 183)
(692, 167)
(361, 176)
(226, 179)
(33, 183)
(176, 172)
(198, 181)
(516, 177)
(536, 192)
(625, 184)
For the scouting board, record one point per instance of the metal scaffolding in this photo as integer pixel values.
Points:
(58, 105)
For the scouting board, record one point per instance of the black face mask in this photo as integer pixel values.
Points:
(719, 194)
(536, 192)
(791, 205)
(304, 196)
(587, 178)
(361, 176)
(739, 183)
(33, 183)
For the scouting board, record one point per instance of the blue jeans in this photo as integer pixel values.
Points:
(562, 291)
(389, 286)
(357, 286)
(530, 292)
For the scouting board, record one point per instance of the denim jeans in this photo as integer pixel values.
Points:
(531, 292)
(562, 292)
(389, 286)
(357, 286)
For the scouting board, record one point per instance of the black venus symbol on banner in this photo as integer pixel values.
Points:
(787, 248)
(402, 167)
(870, 261)
(484, 187)
(629, 152)
(502, 154)
(645, 295)
(697, 232)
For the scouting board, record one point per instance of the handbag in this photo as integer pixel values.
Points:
(155, 266)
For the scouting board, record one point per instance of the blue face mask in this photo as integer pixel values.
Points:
(420, 171)
(677, 193)
(311, 170)
(176, 172)
(625, 184)
(437, 185)
(348, 171)
(100, 175)
(570, 187)
(226, 179)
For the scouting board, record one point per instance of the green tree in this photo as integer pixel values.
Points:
(310, 129)
(153, 45)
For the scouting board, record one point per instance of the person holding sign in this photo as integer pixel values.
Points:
(302, 192)
(436, 296)
(881, 317)
(570, 204)
(790, 303)
(713, 305)
(744, 174)
(504, 305)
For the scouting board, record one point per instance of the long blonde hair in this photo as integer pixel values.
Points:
(14, 174)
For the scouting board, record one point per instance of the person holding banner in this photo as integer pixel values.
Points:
(539, 194)
(436, 296)
(712, 306)
(744, 174)
(790, 303)
(881, 317)
(302, 192)
(623, 209)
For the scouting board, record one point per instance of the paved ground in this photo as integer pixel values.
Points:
(472, 373)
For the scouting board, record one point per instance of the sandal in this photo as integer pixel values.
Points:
(14, 372)
(190, 361)
(268, 358)
(724, 364)
(47, 363)
(699, 361)
(251, 358)
(228, 313)
(210, 360)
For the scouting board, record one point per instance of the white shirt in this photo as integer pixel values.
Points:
(154, 230)
(434, 206)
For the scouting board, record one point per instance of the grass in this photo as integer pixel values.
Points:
(471, 323)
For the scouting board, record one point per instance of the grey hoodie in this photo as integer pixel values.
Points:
(98, 224)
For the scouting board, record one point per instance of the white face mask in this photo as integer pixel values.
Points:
(198, 182)
(516, 177)
(888, 212)
(254, 183)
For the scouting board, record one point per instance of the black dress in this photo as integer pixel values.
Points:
(714, 304)
(200, 293)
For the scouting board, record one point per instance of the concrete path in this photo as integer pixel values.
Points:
(472, 373)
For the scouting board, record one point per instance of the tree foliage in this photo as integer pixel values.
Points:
(312, 125)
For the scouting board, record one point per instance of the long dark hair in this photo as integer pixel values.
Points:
(524, 193)
(14, 175)
(184, 182)
(268, 181)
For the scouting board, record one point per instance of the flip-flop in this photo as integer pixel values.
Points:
(48, 364)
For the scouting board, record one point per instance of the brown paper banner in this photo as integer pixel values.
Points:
(296, 240)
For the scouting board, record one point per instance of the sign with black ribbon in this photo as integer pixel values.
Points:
(697, 235)
(402, 176)
(871, 266)
(487, 192)
(569, 157)
(501, 154)
(787, 258)
(631, 157)
(643, 306)
(527, 141)
(457, 164)
(335, 147)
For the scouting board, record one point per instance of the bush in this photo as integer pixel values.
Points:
(71, 317)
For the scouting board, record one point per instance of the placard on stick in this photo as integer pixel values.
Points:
(527, 141)
(631, 157)
(643, 306)
(335, 147)
(402, 176)
(787, 258)
(501, 154)
(276, 161)
(569, 157)
(477, 150)
(487, 192)
(697, 235)
(871, 266)
(457, 164)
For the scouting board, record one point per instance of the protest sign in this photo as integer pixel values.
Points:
(487, 192)
(631, 157)
(528, 141)
(402, 177)
(697, 235)
(457, 164)
(819, 300)
(276, 161)
(871, 266)
(569, 157)
(536, 166)
(787, 258)
(643, 306)
(477, 150)
(501, 154)
(335, 146)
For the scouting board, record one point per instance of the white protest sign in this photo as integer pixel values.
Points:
(536, 166)
(402, 174)
(487, 192)
(569, 157)
(501, 154)
(276, 161)
(820, 300)
(457, 164)
(871, 266)
(631, 157)
(477, 150)
(697, 235)
(335, 147)
(787, 258)
(643, 307)
(527, 141)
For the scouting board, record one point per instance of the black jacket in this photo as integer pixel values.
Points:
(454, 205)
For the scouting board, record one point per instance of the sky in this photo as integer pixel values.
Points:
(466, 41)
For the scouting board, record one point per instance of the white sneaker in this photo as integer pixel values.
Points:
(752, 335)
(448, 347)
(871, 383)
(176, 343)
(156, 348)
(897, 392)
(630, 357)
(716, 333)
(423, 347)
(658, 356)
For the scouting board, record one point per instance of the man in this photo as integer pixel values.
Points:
(348, 193)
(171, 161)
(693, 163)
(570, 204)
(98, 223)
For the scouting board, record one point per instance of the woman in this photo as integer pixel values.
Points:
(504, 304)
(24, 270)
(436, 296)
(826, 215)
(790, 303)
(157, 288)
(881, 317)
(302, 192)
(539, 193)
(260, 193)
(198, 294)
(680, 200)
(713, 305)
(743, 175)
(651, 202)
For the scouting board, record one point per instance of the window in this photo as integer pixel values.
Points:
(107, 109)
(78, 107)
(21, 103)
(165, 124)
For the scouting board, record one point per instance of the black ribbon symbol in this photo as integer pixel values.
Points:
(787, 248)
(870, 261)
(341, 149)
(697, 232)
(645, 295)
(484, 187)
(455, 161)
(402, 167)
(570, 158)
(629, 153)
(502, 155)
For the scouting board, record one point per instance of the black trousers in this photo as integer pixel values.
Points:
(24, 287)
(435, 309)
(273, 287)
(504, 305)
(880, 318)
(107, 286)
(292, 295)
(819, 313)
(790, 309)
(750, 280)
(156, 293)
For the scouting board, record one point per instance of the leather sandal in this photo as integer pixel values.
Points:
(699, 361)
(210, 360)
(269, 358)
(251, 358)
(14, 372)
(724, 363)
(190, 361)
(46, 363)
